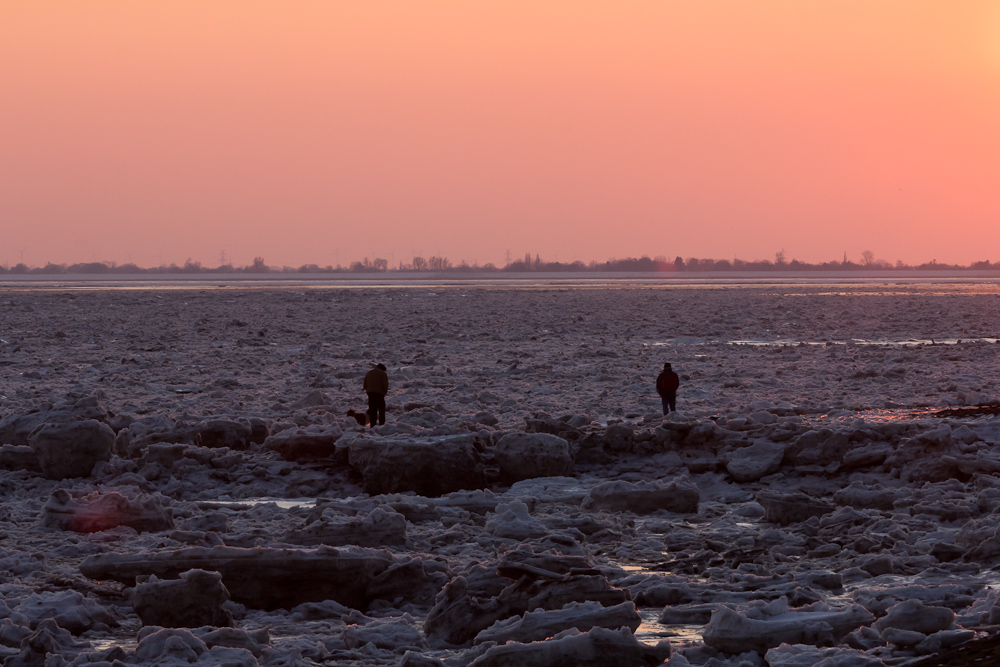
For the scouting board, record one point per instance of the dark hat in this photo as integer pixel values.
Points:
(666, 366)
(380, 366)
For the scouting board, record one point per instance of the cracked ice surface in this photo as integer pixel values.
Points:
(844, 412)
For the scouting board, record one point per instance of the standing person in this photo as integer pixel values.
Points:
(666, 386)
(377, 386)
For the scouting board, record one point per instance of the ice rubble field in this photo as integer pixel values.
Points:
(820, 501)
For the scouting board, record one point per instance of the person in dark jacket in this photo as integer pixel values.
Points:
(377, 386)
(666, 386)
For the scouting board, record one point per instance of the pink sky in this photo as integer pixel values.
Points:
(325, 132)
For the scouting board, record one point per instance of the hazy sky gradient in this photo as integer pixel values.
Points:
(324, 132)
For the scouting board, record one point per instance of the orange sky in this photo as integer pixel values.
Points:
(324, 132)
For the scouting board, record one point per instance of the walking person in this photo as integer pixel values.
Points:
(666, 386)
(377, 386)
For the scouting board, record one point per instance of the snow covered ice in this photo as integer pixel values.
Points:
(831, 500)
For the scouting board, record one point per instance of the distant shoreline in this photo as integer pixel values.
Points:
(539, 278)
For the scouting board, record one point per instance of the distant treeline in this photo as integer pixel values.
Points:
(527, 264)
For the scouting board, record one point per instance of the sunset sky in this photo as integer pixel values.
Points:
(324, 132)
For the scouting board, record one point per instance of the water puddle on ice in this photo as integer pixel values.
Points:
(126, 643)
(910, 342)
(981, 418)
(247, 503)
(631, 568)
(652, 631)
(875, 416)
(790, 342)
(630, 421)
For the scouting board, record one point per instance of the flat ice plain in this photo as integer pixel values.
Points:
(827, 493)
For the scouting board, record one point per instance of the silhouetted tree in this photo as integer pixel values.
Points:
(438, 263)
(89, 267)
(529, 263)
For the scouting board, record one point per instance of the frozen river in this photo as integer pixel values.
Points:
(822, 469)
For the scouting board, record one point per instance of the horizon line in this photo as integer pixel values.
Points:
(436, 264)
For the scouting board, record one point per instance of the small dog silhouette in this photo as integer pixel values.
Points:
(361, 417)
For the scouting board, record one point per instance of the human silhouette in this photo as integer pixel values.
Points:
(666, 386)
(377, 386)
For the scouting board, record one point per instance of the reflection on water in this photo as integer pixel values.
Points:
(873, 416)
(981, 418)
(910, 342)
(631, 569)
(247, 503)
(127, 643)
(790, 342)
(651, 631)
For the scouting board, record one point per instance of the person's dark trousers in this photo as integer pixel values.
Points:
(376, 408)
(669, 402)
